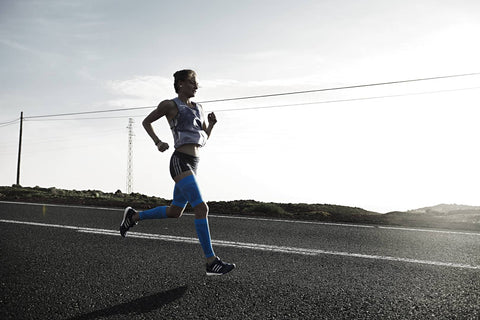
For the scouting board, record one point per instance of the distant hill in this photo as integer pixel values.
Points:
(446, 209)
(442, 215)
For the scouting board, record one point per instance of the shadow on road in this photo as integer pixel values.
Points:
(137, 306)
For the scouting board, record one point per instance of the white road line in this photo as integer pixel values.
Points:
(348, 225)
(251, 246)
(271, 220)
(59, 205)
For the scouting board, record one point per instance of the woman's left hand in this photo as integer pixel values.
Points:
(212, 119)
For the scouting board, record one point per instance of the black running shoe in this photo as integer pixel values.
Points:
(127, 221)
(218, 267)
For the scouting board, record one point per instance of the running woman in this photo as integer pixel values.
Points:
(190, 132)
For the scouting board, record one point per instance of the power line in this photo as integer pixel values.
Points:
(268, 95)
(283, 105)
(8, 123)
(86, 112)
(346, 100)
(89, 118)
(345, 87)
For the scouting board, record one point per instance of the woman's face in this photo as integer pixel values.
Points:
(189, 86)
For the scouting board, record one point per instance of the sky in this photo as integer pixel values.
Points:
(382, 148)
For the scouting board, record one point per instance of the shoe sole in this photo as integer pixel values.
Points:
(220, 274)
(125, 215)
(123, 220)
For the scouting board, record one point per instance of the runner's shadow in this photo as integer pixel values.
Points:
(138, 306)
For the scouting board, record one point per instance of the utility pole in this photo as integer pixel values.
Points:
(19, 148)
(130, 156)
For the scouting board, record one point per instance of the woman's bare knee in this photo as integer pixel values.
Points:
(174, 212)
(201, 211)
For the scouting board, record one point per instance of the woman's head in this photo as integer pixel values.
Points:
(182, 76)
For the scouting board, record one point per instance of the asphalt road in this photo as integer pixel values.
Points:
(60, 262)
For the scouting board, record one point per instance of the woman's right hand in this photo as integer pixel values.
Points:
(162, 146)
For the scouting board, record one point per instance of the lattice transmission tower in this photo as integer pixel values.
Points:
(130, 156)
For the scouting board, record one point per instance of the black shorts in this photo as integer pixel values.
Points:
(181, 162)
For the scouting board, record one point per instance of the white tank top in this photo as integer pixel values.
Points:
(187, 126)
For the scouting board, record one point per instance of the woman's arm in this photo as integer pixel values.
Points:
(212, 120)
(163, 109)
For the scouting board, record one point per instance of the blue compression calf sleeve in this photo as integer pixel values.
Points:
(155, 213)
(189, 188)
(203, 232)
(179, 198)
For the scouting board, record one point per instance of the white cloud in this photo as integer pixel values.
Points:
(287, 82)
(264, 55)
(140, 90)
(217, 83)
(19, 46)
